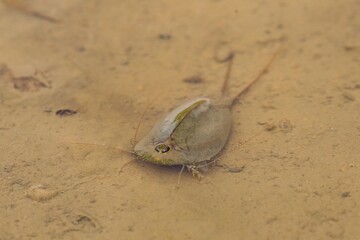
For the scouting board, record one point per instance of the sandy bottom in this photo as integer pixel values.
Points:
(76, 75)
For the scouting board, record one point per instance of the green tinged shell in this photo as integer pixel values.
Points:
(195, 132)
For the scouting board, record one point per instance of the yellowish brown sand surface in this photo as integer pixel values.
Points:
(76, 76)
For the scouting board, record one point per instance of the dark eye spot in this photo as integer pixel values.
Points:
(162, 148)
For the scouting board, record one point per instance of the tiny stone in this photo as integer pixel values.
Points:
(270, 126)
(65, 112)
(193, 80)
(164, 36)
(345, 194)
(39, 193)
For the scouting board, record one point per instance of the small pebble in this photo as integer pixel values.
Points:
(39, 193)
(164, 36)
(65, 112)
(193, 80)
(345, 194)
(270, 126)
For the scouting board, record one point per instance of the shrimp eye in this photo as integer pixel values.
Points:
(162, 148)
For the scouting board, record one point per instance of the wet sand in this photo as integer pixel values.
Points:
(106, 60)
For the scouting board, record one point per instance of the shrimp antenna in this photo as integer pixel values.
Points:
(134, 140)
(104, 145)
(179, 176)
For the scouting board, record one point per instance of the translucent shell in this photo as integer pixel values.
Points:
(192, 133)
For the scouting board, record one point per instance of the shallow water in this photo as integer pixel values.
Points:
(108, 59)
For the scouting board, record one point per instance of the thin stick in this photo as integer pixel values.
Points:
(113, 147)
(123, 166)
(104, 145)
